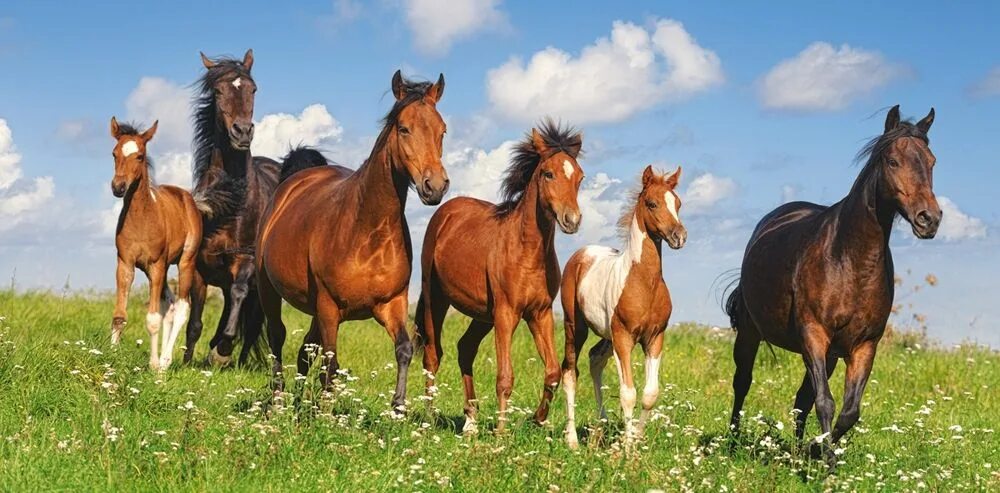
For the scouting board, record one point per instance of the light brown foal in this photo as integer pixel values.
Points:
(622, 297)
(158, 226)
(498, 265)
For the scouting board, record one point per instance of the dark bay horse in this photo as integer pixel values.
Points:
(158, 226)
(497, 263)
(335, 243)
(622, 297)
(225, 170)
(818, 280)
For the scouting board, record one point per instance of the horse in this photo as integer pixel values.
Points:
(818, 280)
(335, 244)
(158, 226)
(497, 264)
(224, 168)
(622, 297)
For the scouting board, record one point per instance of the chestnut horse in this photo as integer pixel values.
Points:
(497, 263)
(622, 297)
(335, 243)
(158, 226)
(225, 170)
(818, 280)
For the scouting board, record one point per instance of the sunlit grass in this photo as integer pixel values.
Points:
(76, 414)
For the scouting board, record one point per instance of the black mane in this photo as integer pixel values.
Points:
(206, 129)
(875, 149)
(525, 159)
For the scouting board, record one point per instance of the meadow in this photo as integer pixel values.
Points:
(77, 414)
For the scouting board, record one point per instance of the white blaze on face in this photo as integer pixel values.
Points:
(129, 148)
(671, 200)
(568, 168)
(237, 82)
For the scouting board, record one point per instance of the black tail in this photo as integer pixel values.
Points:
(300, 158)
(222, 199)
(734, 307)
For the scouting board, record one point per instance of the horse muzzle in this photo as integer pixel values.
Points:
(925, 223)
(432, 189)
(241, 135)
(569, 222)
(118, 188)
(677, 238)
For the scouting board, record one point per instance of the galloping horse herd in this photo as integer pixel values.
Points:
(334, 243)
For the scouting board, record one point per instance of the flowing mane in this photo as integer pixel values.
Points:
(526, 158)
(876, 147)
(206, 127)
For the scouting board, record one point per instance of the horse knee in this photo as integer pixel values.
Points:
(404, 350)
(628, 395)
(552, 376)
(505, 385)
(649, 399)
(153, 321)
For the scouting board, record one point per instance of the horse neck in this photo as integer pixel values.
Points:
(641, 251)
(235, 162)
(140, 202)
(381, 191)
(536, 230)
(864, 222)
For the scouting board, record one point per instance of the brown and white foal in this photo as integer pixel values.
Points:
(622, 297)
(158, 226)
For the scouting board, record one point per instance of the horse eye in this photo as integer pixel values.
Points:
(548, 175)
(651, 204)
(893, 163)
(403, 130)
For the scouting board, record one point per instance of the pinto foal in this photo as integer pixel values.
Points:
(622, 297)
(158, 226)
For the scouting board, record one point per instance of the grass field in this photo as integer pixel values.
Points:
(76, 414)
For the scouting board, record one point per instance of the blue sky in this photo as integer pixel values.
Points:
(759, 104)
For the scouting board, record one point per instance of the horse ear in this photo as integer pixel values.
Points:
(115, 131)
(892, 119)
(398, 87)
(207, 62)
(539, 142)
(674, 178)
(925, 124)
(437, 89)
(574, 149)
(647, 175)
(150, 132)
(248, 60)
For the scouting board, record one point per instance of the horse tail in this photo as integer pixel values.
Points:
(734, 306)
(300, 158)
(221, 199)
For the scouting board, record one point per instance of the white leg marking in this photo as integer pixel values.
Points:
(181, 311)
(627, 397)
(569, 386)
(568, 168)
(651, 391)
(153, 321)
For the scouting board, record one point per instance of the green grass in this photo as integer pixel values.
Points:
(76, 414)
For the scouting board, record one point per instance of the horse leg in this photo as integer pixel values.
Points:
(576, 334)
(253, 325)
(181, 308)
(156, 273)
(651, 390)
(270, 302)
(542, 328)
(124, 275)
(309, 350)
(431, 310)
(815, 350)
(468, 347)
(806, 396)
(221, 326)
(199, 293)
(859, 368)
(167, 312)
(392, 316)
(328, 317)
(599, 355)
(222, 353)
(744, 354)
(623, 344)
(505, 321)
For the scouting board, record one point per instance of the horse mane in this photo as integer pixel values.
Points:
(132, 128)
(526, 158)
(876, 147)
(205, 118)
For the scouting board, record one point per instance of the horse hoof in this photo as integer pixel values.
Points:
(470, 427)
(218, 360)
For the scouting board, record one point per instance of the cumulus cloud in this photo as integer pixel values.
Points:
(278, 132)
(988, 85)
(18, 199)
(610, 80)
(957, 225)
(705, 191)
(174, 168)
(824, 78)
(156, 98)
(437, 24)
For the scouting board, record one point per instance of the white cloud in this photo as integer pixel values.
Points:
(601, 200)
(476, 172)
(276, 133)
(156, 98)
(705, 191)
(174, 168)
(957, 225)
(18, 199)
(437, 24)
(346, 10)
(789, 193)
(822, 77)
(610, 80)
(988, 86)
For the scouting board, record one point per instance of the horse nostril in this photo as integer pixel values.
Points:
(924, 218)
(427, 185)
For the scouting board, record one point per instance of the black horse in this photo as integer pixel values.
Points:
(818, 280)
